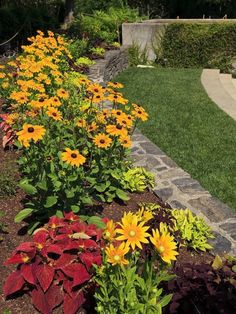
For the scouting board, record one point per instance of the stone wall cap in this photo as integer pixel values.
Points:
(167, 21)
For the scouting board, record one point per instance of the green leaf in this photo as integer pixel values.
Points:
(42, 185)
(100, 187)
(217, 263)
(234, 268)
(59, 213)
(95, 220)
(86, 200)
(50, 201)
(69, 193)
(165, 300)
(32, 227)
(122, 195)
(75, 208)
(23, 214)
(28, 188)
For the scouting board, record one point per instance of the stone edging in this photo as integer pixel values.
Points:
(114, 61)
(176, 187)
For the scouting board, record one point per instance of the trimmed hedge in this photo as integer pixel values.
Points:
(200, 45)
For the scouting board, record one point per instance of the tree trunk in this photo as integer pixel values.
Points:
(69, 10)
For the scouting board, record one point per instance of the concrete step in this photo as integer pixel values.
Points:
(212, 83)
(227, 83)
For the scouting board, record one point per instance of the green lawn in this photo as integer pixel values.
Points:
(187, 125)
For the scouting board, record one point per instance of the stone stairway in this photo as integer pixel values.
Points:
(221, 88)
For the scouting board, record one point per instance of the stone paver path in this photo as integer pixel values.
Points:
(221, 88)
(176, 187)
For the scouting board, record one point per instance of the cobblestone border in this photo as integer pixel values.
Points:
(174, 185)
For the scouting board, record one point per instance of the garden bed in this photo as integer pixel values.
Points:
(100, 238)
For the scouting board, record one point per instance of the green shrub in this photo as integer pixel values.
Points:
(102, 26)
(200, 45)
(136, 55)
(193, 229)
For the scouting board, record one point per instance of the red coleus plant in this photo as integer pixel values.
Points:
(9, 133)
(57, 266)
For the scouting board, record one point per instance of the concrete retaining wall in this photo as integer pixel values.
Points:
(144, 34)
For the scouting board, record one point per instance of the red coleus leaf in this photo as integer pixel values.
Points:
(77, 272)
(71, 305)
(56, 222)
(71, 216)
(54, 248)
(90, 258)
(46, 302)
(64, 260)
(28, 273)
(14, 283)
(26, 247)
(44, 274)
(40, 238)
(18, 258)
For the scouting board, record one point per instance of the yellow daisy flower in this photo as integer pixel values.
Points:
(165, 245)
(73, 157)
(62, 93)
(31, 132)
(54, 113)
(110, 231)
(125, 141)
(101, 140)
(133, 232)
(116, 255)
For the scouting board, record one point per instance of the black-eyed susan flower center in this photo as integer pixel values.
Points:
(102, 141)
(41, 100)
(139, 112)
(73, 155)
(31, 129)
(54, 114)
(132, 233)
(119, 127)
(96, 90)
(115, 96)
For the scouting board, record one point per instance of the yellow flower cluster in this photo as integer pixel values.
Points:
(133, 232)
(36, 78)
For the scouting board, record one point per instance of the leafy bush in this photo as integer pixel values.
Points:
(193, 229)
(57, 266)
(103, 26)
(138, 179)
(137, 55)
(203, 288)
(98, 51)
(199, 45)
(84, 61)
(78, 47)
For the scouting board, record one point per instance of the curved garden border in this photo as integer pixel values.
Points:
(174, 185)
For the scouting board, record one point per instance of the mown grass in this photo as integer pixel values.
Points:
(187, 125)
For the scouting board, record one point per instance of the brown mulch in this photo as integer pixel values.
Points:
(16, 234)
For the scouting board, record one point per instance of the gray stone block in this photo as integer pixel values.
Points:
(212, 208)
(230, 228)
(220, 244)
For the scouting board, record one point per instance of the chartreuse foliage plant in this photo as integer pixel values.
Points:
(73, 149)
(57, 266)
(138, 179)
(127, 282)
(193, 229)
(98, 51)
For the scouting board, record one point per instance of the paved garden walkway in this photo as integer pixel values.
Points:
(221, 88)
(177, 188)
